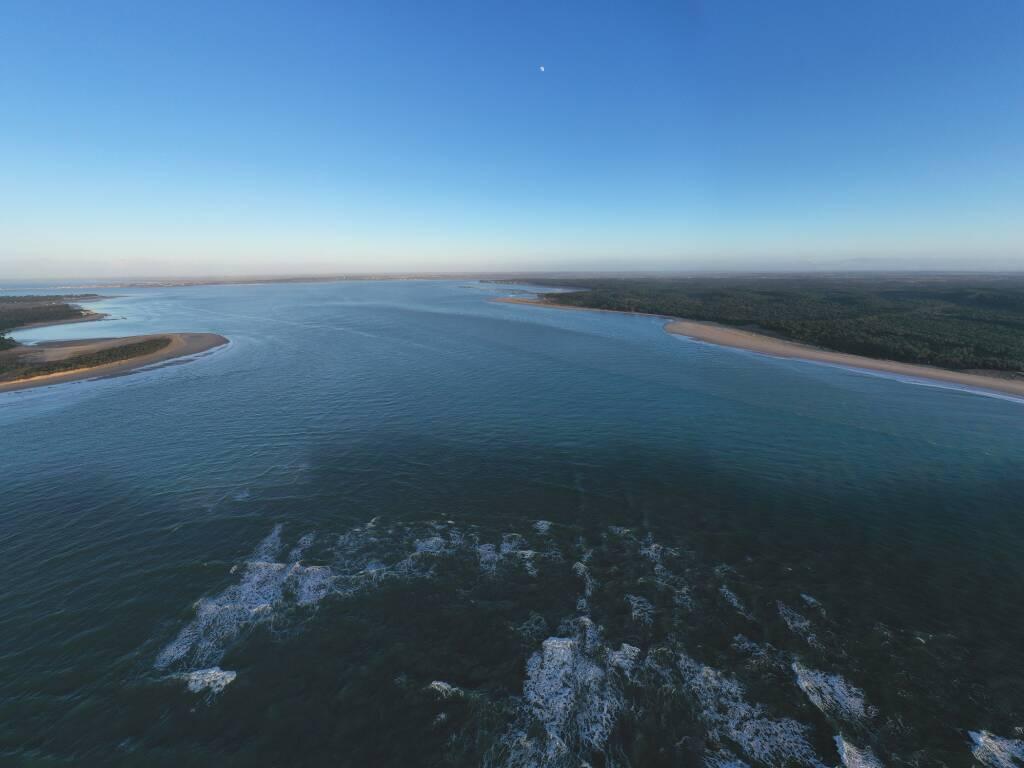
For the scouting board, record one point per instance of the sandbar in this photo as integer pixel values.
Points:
(181, 344)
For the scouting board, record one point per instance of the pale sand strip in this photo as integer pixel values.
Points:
(181, 344)
(726, 336)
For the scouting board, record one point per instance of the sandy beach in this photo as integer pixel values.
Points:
(726, 336)
(181, 344)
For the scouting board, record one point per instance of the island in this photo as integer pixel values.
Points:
(23, 366)
(960, 329)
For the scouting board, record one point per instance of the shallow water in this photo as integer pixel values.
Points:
(394, 523)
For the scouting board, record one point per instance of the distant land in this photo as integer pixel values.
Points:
(963, 329)
(560, 277)
(24, 366)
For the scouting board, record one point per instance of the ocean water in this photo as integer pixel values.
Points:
(396, 523)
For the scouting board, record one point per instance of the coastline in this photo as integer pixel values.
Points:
(88, 318)
(181, 345)
(726, 336)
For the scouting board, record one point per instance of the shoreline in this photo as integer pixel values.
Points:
(88, 318)
(181, 345)
(736, 338)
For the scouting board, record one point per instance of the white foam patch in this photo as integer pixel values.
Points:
(270, 546)
(513, 549)
(583, 572)
(310, 584)
(528, 559)
(854, 757)
(652, 550)
(641, 609)
(625, 659)
(812, 603)
(221, 619)
(433, 545)
(723, 758)
(571, 703)
(665, 579)
(510, 542)
(798, 625)
(996, 751)
(733, 599)
(542, 526)
(759, 656)
(213, 680)
(833, 695)
(725, 712)
(445, 690)
(301, 546)
(488, 555)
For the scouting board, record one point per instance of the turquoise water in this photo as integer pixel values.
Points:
(395, 523)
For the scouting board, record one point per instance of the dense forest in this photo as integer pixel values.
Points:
(18, 311)
(959, 322)
(14, 367)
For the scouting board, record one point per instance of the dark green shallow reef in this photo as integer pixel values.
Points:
(394, 523)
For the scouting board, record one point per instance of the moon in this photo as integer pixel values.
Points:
(541, 67)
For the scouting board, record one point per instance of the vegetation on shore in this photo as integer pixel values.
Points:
(957, 322)
(15, 367)
(19, 311)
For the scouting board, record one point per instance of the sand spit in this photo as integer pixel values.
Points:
(181, 344)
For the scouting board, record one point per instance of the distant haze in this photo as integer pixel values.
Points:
(192, 140)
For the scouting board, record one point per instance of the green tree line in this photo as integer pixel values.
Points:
(15, 368)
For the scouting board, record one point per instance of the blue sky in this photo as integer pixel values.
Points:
(146, 138)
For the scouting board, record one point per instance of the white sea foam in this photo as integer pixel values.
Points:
(311, 583)
(832, 694)
(996, 751)
(510, 542)
(213, 680)
(733, 599)
(488, 556)
(798, 625)
(434, 545)
(641, 609)
(219, 620)
(445, 690)
(270, 546)
(583, 572)
(759, 655)
(724, 710)
(570, 703)
(812, 603)
(542, 526)
(301, 546)
(652, 550)
(723, 758)
(853, 757)
(624, 659)
(528, 559)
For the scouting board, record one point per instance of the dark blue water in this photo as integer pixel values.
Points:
(395, 523)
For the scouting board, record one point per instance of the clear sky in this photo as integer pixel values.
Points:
(170, 138)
